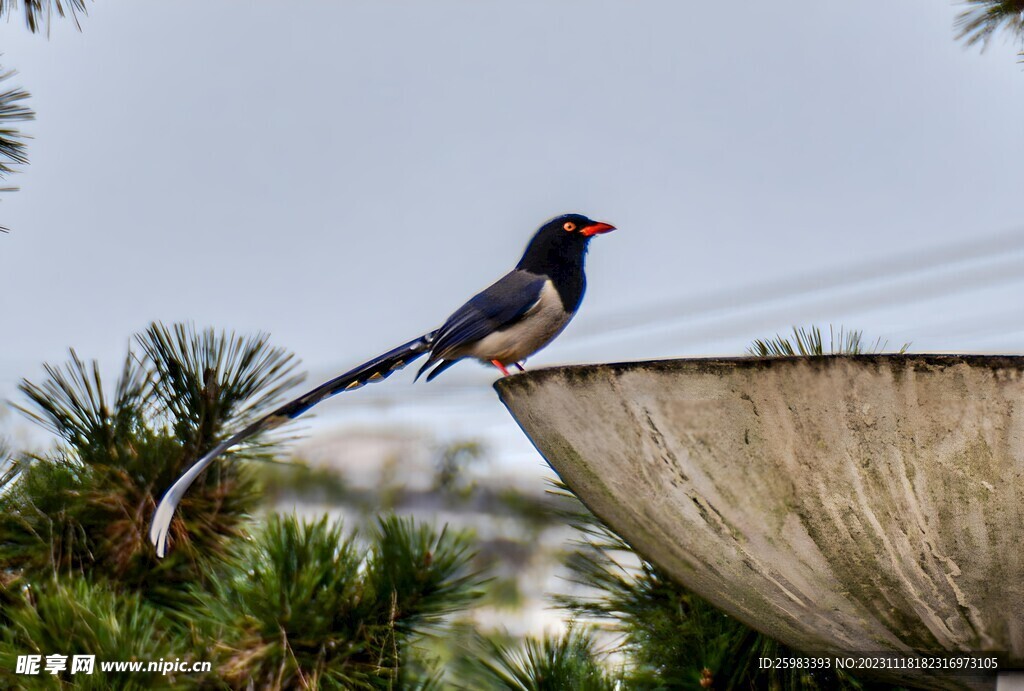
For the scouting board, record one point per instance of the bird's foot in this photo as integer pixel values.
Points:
(519, 365)
(500, 366)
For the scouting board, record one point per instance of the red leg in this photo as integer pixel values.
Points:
(500, 366)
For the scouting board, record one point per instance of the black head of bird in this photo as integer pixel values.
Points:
(558, 249)
(561, 243)
(503, 324)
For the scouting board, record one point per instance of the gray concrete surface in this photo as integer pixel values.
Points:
(838, 504)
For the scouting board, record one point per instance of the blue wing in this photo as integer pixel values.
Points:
(497, 307)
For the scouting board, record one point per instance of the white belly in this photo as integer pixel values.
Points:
(536, 329)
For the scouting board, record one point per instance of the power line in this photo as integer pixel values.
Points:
(910, 290)
(945, 256)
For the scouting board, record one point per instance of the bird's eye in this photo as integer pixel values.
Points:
(569, 226)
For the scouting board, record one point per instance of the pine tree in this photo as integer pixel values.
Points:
(287, 604)
(85, 506)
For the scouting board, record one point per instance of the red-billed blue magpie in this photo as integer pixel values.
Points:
(503, 325)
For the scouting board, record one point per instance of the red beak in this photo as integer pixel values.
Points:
(597, 229)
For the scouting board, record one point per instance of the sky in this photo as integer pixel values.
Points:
(344, 175)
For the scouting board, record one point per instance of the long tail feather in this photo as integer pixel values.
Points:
(377, 369)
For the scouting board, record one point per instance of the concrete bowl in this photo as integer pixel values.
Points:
(840, 504)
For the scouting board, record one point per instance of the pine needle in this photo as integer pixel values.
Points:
(983, 19)
(809, 342)
(13, 152)
(40, 13)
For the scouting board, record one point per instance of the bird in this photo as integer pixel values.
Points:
(502, 325)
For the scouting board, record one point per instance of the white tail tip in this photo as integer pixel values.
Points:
(161, 525)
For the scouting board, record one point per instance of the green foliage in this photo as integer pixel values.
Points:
(39, 13)
(983, 19)
(206, 383)
(75, 616)
(809, 342)
(552, 663)
(425, 573)
(300, 605)
(85, 506)
(306, 605)
(72, 404)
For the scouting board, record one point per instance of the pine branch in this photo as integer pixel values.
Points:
(86, 505)
(551, 663)
(211, 383)
(12, 141)
(77, 616)
(40, 13)
(427, 572)
(983, 19)
(307, 601)
(72, 404)
(809, 342)
(12, 109)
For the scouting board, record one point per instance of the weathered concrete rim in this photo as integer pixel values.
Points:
(887, 470)
(712, 364)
